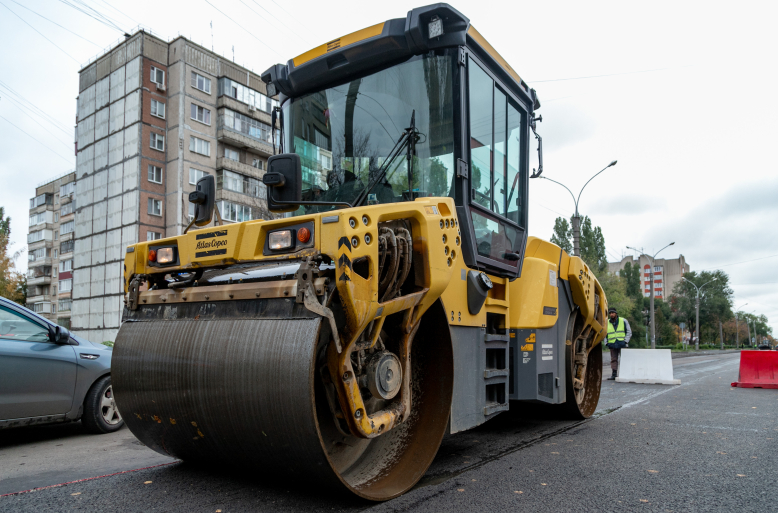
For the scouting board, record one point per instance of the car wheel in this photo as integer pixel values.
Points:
(100, 413)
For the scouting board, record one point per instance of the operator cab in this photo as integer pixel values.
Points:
(415, 107)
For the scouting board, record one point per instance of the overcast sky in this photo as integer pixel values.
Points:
(682, 95)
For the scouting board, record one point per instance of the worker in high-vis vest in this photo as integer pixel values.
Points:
(619, 334)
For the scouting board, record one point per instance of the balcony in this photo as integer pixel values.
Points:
(40, 280)
(239, 167)
(243, 108)
(40, 261)
(242, 141)
(32, 246)
(37, 299)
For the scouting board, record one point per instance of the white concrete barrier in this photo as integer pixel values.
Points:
(653, 366)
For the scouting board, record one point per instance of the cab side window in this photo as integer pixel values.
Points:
(17, 327)
(497, 175)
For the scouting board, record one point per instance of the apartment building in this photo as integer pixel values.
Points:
(666, 273)
(152, 118)
(50, 249)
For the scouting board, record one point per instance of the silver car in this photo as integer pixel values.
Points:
(50, 375)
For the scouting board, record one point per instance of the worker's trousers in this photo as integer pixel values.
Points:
(615, 353)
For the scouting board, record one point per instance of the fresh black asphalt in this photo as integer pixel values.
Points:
(700, 446)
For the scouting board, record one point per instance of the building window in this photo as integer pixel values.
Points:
(56, 217)
(65, 266)
(245, 125)
(54, 305)
(157, 141)
(39, 236)
(157, 109)
(64, 305)
(43, 199)
(157, 76)
(200, 146)
(66, 247)
(231, 154)
(153, 235)
(235, 212)
(155, 207)
(155, 174)
(257, 163)
(55, 253)
(195, 175)
(246, 95)
(239, 183)
(67, 209)
(67, 190)
(41, 307)
(200, 114)
(56, 235)
(67, 227)
(65, 285)
(192, 211)
(201, 83)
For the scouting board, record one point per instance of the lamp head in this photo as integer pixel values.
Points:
(612, 163)
(671, 243)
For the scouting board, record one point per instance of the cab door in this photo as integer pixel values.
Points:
(497, 125)
(37, 376)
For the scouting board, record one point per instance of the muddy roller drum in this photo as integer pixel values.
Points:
(249, 393)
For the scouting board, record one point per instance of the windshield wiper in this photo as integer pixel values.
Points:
(408, 139)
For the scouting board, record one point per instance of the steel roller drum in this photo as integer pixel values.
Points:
(246, 393)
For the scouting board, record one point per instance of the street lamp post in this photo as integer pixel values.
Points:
(697, 343)
(737, 330)
(576, 217)
(651, 299)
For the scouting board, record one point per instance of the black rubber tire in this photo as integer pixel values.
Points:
(92, 419)
(579, 407)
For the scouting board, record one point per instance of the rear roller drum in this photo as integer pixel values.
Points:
(249, 393)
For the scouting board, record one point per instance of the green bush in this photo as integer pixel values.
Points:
(108, 343)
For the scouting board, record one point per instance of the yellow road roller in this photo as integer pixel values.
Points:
(395, 298)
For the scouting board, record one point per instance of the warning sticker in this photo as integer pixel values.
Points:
(431, 209)
(552, 278)
(528, 347)
(526, 360)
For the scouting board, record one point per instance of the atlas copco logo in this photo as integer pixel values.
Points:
(211, 244)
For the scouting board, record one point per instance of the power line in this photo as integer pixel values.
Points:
(736, 263)
(244, 28)
(79, 9)
(55, 23)
(98, 13)
(37, 110)
(67, 145)
(36, 140)
(281, 22)
(121, 12)
(36, 30)
(608, 75)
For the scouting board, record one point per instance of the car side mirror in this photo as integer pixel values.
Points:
(284, 182)
(203, 199)
(59, 335)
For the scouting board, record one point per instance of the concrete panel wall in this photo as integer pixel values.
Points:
(155, 49)
(103, 67)
(117, 84)
(102, 119)
(101, 154)
(118, 57)
(87, 77)
(201, 60)
(132, 74)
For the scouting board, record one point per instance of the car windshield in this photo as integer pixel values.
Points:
(344, 135)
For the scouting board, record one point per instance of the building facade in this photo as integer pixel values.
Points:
(666, 273)
(152, 118)
(50, 249)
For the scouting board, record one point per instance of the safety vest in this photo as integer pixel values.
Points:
(619, 333)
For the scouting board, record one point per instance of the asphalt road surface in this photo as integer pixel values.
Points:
(700, 446)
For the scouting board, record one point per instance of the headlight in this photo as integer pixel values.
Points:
(165, 256)
(280, 239)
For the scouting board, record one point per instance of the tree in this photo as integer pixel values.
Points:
(593, 247)
(631, 273)
(715, 302)
(13, 284)
(562, 235)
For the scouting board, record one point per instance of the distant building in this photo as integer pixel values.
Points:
(666, 273)
(50, 250)
(153, 117)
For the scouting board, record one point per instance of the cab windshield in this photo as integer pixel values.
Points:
(344, 135)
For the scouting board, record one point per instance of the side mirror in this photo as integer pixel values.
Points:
(59, 335)
(284, 181)
(203, 198)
